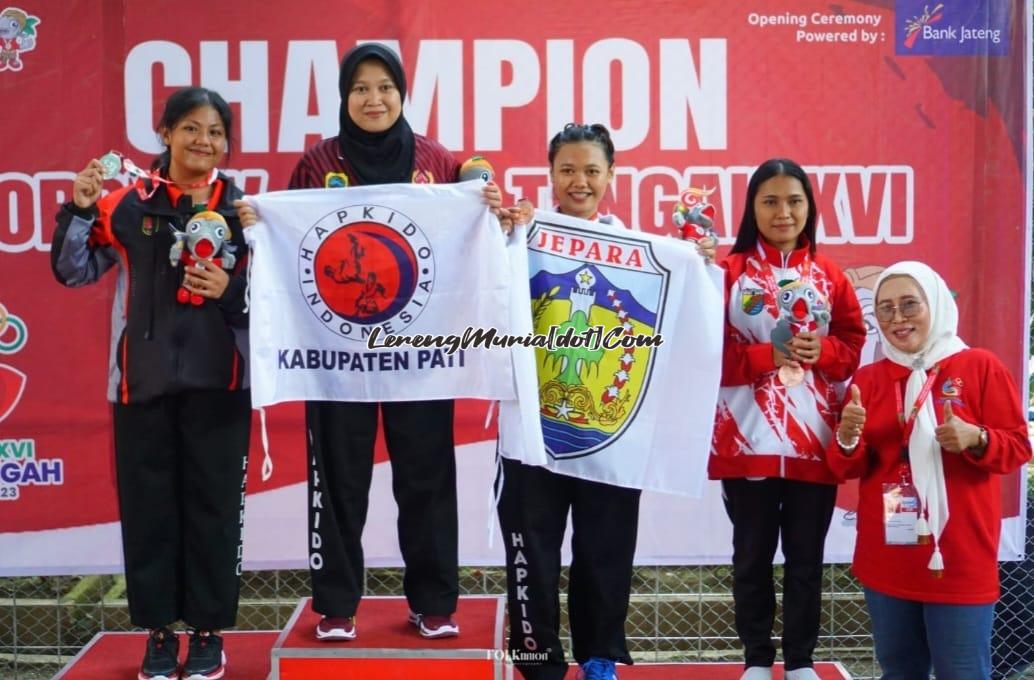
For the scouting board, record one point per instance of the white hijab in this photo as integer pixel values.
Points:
(942, 342)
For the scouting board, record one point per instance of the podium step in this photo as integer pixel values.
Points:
(388, 647)
(118, 655)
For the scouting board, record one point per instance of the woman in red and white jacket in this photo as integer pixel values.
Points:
(929, 429)
(793, 330)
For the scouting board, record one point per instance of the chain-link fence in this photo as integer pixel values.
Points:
(677, 614)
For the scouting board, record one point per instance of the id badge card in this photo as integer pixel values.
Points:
(900, 513)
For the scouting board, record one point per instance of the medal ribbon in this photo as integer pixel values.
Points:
(137, 174)
(772, 286)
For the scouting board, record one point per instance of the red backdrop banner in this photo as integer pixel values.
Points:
(913, 155)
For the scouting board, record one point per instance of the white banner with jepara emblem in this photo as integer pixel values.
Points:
(625, 392)
(366, 294)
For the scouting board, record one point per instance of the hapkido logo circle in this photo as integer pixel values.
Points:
(373, 267)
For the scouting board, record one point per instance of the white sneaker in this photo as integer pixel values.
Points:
(802, 674)
(758, 673)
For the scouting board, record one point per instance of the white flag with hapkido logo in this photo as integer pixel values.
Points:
(333, 268)
(618, 410)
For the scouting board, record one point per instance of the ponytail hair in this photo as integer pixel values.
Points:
(580, 132)
(182, 102)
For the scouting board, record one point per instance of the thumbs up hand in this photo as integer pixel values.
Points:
(955, 434)
(852, 418)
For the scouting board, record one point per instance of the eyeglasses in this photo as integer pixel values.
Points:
(909, 308)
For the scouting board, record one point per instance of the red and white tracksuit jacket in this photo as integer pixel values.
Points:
(762, 427)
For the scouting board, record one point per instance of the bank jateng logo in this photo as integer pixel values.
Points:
(969, 27)
(18, 463)
(581, 280)
(364, 267)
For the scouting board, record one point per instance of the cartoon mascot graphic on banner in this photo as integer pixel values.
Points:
(13, 336)
(17, 35)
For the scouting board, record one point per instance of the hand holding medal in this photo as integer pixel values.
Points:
(87, 186)
(111, 162)
(790, 372)
(803, 348)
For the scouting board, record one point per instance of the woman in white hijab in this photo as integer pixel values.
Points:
(928, 430)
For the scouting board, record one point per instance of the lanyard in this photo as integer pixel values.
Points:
(908, 424)
(113, 161)
(157, 180)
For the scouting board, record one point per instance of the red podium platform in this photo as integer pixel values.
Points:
(118, 655)
(388, 647)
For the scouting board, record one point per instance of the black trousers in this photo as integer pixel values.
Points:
(423, 468)
(533, 508)
(762, 511)
(181, 462)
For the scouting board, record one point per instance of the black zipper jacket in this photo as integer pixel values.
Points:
(158, 346)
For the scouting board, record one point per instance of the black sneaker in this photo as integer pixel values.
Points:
(161, 660)
(205, 657)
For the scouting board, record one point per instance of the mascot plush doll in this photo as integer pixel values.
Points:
(476, 167)
(693, 215)
(207, 237)
(801, 308)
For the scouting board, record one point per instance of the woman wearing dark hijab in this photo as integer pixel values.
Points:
(375, 145)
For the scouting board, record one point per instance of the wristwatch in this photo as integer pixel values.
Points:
(982, 444)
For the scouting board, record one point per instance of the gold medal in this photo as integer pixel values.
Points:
(791, 376)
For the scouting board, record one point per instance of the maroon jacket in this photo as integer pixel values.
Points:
(323, 166)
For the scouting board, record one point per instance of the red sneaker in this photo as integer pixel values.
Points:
(434, 626)
(335, 629)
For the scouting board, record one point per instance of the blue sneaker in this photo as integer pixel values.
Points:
(598, 669)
